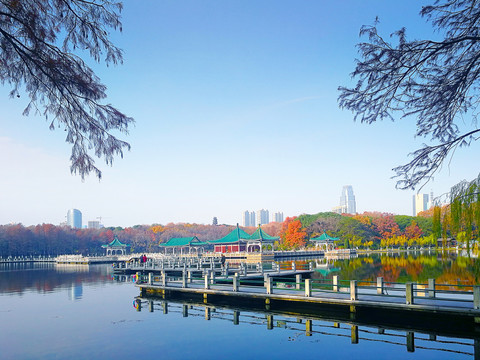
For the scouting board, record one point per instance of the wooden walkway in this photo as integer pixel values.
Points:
(411, 301)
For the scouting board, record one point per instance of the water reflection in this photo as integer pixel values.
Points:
(446, 268)
(319, 326)
(45, 278)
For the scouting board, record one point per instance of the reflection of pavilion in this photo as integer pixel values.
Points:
(184, 245)
(324, 242)
(116, 248)
(325, 266)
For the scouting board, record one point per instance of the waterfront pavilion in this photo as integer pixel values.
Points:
(235, 241)
(260, 241)
(184, 245)
(324, 242)
(116, 248)
(238, 240)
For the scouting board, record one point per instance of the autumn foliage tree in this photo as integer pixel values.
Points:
(292, 235)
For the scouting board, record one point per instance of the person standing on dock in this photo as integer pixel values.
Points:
(222, 260)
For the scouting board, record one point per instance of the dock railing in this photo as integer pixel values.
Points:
(410, 293)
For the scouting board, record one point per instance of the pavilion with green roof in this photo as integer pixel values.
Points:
(183, 245)
(260, 241)
(324, 241)
(116, 247)
(238, 240)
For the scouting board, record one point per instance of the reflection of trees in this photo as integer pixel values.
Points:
(403, 268)
(42, 279)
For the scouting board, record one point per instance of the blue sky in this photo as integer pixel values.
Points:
(236, 109)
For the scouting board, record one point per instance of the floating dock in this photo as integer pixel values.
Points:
(431, 303)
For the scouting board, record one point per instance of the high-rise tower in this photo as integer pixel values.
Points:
(420, 203)
(249, 218)
(74, 218)
(263, 217)
(347, 201)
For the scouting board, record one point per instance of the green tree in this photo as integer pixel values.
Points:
(435, 81)
(40, 44)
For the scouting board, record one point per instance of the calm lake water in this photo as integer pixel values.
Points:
(84, 312)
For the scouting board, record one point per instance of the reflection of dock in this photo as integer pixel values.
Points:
(321, 322)
(433, 305)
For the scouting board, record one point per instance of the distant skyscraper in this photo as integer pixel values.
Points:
(95, 224)
(277, 217)
(249, 218)
(263, 217)
(420, 203)
(347, 202)
(246, 218)
(74, 218)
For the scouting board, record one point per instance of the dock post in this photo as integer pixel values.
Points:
(410, 341)
(236, 317)
(207, 282)
(308, 288)
(353, 290)
(150, 278)
(294, 266)
(431, 288)
(226, 269)
(269, 322)
(235, 282)
(308, 327)
(335, 283)
(409, 293)
(184, 279)
(212, 277)
(268, 284)
(380, 285)
(298, 281)
(476, 297)
(164, 278)
(189, 276)
(354, 332)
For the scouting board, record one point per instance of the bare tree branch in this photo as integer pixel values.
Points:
(58, 82)
(436, 82)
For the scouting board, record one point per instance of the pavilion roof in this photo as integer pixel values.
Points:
(183, 241)
(235, 235)
(259, 234)
(324, 237)
(115, 243)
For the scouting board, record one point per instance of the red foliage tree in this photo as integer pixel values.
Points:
(413, 231)
(292, 234)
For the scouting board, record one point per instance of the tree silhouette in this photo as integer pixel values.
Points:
(39, 43)
(434, 81)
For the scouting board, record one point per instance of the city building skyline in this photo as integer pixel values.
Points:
(263, 217)
(277, 217)
(347, 201)
(74, 218)
(249, 218)
(420, 203)
(94, 224)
